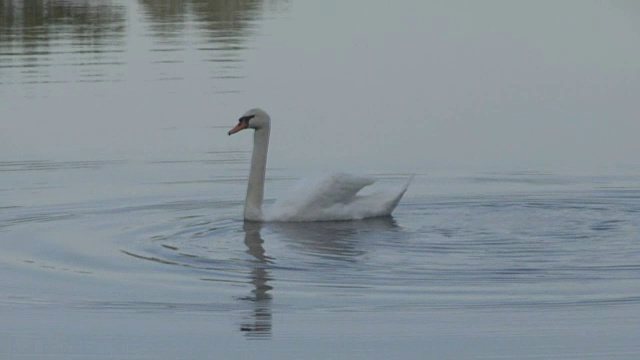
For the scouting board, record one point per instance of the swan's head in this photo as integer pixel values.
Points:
(252, 119)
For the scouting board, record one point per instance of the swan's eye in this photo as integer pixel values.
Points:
(246, 118)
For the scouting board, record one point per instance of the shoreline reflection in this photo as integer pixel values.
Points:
(91, 40)
(86, 38)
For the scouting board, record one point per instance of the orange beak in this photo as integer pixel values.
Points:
(241, 126)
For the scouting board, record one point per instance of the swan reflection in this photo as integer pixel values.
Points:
(331, 241)
(336, 240)
(258, 323)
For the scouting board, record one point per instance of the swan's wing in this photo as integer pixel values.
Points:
(338, 189)
(310, 200)
(335, 198)
(381, 203)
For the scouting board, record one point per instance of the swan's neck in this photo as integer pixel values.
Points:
(255, 188)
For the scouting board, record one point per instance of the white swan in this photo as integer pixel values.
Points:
(332, 198)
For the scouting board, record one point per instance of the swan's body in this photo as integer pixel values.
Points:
(333, 198)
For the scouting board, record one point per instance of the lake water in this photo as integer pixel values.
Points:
(121, 195)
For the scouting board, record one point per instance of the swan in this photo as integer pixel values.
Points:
(332, 198)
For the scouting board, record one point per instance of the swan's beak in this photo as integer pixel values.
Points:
(241, 126)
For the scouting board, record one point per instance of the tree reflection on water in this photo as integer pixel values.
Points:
(89, 38)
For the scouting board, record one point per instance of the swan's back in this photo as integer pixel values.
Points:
(335, 197)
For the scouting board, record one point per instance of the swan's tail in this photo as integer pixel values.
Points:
(406, 186)
(394, 203)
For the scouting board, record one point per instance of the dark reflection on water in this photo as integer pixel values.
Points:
(258, 325)
(34, 23)
(88, 39)
(225, 21)
(48, 165)
(85, 37)
(214, 32)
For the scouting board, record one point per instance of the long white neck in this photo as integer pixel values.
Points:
(255, 188)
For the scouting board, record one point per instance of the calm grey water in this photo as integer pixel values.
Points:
(121, 195)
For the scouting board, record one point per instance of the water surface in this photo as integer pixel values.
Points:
(121, 195)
